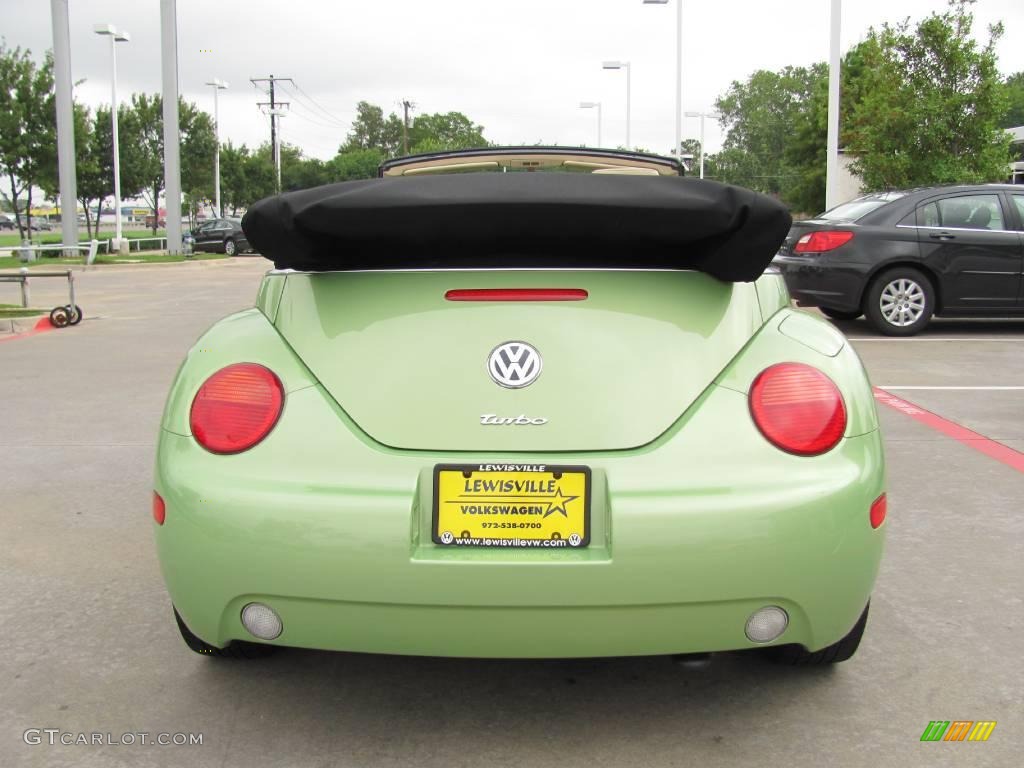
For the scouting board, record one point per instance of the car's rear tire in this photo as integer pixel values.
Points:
(798, 656)
(839, 314)
(237, 649)
(229, 247)
(900, 302)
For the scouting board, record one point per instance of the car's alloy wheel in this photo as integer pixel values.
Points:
(229, 247)
(900, 302)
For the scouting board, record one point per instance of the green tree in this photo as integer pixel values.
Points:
(1015, 101)
(931, 104)
(142, 152)
(94, 165)
(759, 116)
(432, 132)
(355, 164)
(27, 127)
(371, 130)
(439, 132)
(803, 188)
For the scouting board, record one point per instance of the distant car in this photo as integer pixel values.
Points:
(531, 402)
(41, 225)
(7, 222)
(221, 236)
(901, 257)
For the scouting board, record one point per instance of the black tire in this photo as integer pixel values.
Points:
(229, 247)
(237, 649)
(839, 314)
(903, 287)
(74, 314)
(798, 656)
(59, 317)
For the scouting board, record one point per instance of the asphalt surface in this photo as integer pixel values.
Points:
(90, 646)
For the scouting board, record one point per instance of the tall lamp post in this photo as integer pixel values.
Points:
(592, 105)
(832, 133)
(217, 85)
(679, 73)
(622, 65)
(116, 36)
(702, 115)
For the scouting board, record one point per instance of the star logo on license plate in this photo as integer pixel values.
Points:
(558, 502)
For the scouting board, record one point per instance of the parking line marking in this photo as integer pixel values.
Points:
(42, 326)
(1003, 453)
(888, 387)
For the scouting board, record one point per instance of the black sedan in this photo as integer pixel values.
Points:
(220, 236)
(901, 257)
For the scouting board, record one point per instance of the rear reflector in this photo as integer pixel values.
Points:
(825, 240)
(878, 510)
(236, 408)
(798, 409)
(516, 294)
(159, 509)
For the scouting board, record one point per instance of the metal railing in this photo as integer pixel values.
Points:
(23, 275)
(90, 247)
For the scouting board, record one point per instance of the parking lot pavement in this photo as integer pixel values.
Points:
(91, 646)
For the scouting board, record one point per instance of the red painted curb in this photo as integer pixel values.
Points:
(42, 326)
(1002, 453)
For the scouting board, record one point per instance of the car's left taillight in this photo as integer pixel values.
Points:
(236, 408)
(798, 409)
(822, 241)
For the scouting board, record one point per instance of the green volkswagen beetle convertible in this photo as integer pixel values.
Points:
(521, 403)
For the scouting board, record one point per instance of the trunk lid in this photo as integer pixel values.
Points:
(410, 367)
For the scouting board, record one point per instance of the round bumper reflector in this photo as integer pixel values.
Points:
(261, 621)
(766, 624)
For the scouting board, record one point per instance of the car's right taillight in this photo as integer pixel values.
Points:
(822, 241)
(236, 408)
(798, 409)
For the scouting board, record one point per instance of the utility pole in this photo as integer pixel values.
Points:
(275, 111)
(406, 106)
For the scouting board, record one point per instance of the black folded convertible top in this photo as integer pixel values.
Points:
(521, 220)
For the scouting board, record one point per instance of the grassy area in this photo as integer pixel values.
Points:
(144, 257)
(7, 311)
(10, 239)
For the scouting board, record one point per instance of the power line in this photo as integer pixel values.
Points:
(301, 95)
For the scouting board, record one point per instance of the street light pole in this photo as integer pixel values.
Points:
(217, 85)
(65, 123)
(702, 115)
(116, 36)
(679, 71)
(592, 105)
(626, 66)
(832, 136)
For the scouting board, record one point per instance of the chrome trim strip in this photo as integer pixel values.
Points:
(960, 229)
(473, 269)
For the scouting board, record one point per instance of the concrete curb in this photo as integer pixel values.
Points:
(19, 324)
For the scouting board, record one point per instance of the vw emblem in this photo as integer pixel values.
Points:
(514, 364)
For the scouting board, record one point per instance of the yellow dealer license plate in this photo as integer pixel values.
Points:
(511, 505)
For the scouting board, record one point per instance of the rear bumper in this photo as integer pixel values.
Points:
(689, 536)
(813, 282)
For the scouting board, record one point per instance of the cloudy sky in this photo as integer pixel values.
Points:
(518, 68)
